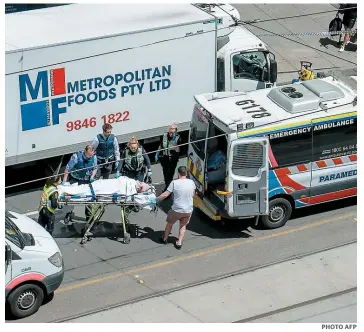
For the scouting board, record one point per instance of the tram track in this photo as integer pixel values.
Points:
(218, 278)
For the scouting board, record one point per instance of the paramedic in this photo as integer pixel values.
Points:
(169, 156)
(107, 151)
(48, 203)
(84, 167)
(133, 161)
(183, 191)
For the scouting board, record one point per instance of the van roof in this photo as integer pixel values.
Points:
(75, 22)
(279, 105)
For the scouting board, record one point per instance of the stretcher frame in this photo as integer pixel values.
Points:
(98, 207)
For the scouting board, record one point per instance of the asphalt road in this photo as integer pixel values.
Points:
(106, 272)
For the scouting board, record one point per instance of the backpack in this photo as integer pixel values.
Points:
(336, 24)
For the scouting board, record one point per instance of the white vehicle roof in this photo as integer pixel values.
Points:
(305, 104)
(241, 39)
(75, 22)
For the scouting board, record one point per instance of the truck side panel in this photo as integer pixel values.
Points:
(12, 109)
(138, 90)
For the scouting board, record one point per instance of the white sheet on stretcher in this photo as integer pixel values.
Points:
(120, 186)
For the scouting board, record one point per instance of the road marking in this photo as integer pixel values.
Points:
(203, 253)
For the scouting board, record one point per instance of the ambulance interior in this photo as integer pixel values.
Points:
(216, 161)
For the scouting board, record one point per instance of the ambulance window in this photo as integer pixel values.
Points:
(291, 147)
(251, 66)
(198, 131)
(334, 139)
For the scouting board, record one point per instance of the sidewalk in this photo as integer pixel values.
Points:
(267, 290)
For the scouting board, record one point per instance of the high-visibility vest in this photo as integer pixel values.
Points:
(129, 156)
(169, 144)
(45, 198)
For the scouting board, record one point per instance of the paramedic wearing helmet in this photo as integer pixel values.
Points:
(133, 161)
(84, 163)
(107, 150)
(169, 156)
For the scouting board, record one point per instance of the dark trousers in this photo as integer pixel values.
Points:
(104, 170)
(136, 175)
(169, 165)
(46, 219)
(88, 208)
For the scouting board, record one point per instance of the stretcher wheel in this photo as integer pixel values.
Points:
(127, 238)
(68, 218)
(83, 241)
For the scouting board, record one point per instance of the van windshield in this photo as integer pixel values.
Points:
(13, 233)
(199, 126)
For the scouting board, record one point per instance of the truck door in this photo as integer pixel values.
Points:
(249, 71)
(248, 177)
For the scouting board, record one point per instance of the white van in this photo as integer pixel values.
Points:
(33, 265)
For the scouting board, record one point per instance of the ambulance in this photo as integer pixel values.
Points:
(265, 153)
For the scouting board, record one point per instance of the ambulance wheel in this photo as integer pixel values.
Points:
(280, 211)
(25, 300)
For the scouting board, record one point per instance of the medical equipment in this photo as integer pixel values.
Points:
(125, 197)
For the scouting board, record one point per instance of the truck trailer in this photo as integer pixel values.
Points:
(74, 68)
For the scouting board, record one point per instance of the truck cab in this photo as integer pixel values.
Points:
(243, 60)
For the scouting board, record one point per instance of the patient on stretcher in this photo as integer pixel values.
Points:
(121, 186)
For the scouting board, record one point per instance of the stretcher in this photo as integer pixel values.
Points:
(121, 192)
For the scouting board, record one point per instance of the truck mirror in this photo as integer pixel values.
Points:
(273, 68)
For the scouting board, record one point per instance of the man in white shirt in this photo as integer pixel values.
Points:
(183, 190)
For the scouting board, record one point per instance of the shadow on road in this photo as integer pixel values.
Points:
(200, 224)
(335, 42)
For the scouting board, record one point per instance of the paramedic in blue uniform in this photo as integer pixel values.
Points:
(107, 150)
(134, 161)
(83, 165)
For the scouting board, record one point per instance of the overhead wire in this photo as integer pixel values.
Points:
(159, 150)
(301, 43)
(296, 16)
(238, 22)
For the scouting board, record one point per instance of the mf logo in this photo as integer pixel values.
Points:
(39, 104)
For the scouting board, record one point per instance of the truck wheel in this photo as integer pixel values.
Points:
(25, 300)
(280, 211)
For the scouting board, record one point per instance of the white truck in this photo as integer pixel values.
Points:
(73, 68)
